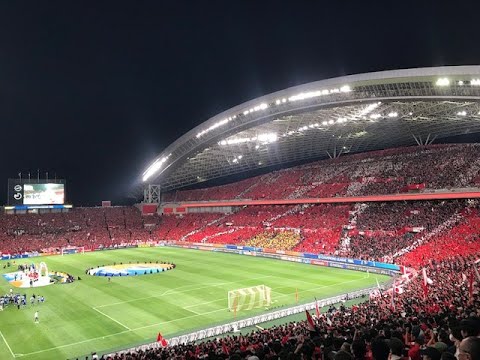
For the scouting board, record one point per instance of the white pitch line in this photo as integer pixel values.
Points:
(118, 322)
(148, 326)
(203, 303)
(73, 344)
(8, 346)
(280, 294)
(175, 291)
(214, 311)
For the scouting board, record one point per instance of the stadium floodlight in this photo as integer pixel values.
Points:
(152, 169)
(375, 116)
(368, 109)
(475, 82)
(331, 121)
(257, 146)
(443, 82)
(393, 114)
(267, 137)
(462, 113)
(213, 127)
(460, 83)
(278, 102)
(324, 123)
(345, 88)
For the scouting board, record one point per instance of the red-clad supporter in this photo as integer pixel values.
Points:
(414, 326)
(373, 173)
(82, 227)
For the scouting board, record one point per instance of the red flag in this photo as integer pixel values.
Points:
(317, 310)
(425, 283)
(162, 340)
(310, 323)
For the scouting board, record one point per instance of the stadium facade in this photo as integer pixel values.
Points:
(322, 119)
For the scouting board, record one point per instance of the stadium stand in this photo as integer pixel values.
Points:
(374, 173)
(442, 236)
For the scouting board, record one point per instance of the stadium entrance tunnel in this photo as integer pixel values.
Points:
(130, 269)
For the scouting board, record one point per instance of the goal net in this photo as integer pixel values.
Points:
(249, 298)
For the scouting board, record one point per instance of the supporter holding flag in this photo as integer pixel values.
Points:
(160, 339)
(310, 323)
(426, 281)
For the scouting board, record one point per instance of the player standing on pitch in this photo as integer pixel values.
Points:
(35, 317)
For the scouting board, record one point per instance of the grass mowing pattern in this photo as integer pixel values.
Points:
(94, 315)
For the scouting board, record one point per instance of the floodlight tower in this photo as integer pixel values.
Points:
(151, 194)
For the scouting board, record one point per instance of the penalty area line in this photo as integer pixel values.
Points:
(118, 322)
(8, 346)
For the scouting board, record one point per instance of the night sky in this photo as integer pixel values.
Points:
(93, 91)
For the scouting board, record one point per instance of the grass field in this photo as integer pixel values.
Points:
(94, 315)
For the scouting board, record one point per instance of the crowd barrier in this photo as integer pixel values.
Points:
(251, 321)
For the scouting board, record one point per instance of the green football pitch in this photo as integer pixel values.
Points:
(96, 315)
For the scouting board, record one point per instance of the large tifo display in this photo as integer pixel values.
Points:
(41, 194)
(36, 192)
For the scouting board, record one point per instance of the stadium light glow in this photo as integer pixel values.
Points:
(214, 126)
(475, 82)
(317, 93)
(375, 116)
(442, 82)
(393, 114)
(368, 109)
(462, 113)
(263, 138)
(152, 169)
(259, 107)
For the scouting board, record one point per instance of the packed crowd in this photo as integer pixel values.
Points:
(442, 322)
(373, 173)
(269, 239)
(85, 227)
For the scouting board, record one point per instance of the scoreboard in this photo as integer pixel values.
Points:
(32, 193)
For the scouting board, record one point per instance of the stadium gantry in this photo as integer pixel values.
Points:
(322, 119)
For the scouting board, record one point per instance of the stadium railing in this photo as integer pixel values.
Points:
(251, 321)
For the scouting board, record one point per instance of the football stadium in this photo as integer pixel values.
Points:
(327, 217)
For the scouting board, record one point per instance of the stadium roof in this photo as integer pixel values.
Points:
(322, 119)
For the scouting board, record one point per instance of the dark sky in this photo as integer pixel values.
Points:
(94, 90)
